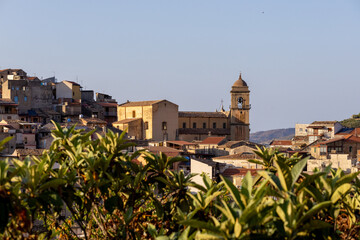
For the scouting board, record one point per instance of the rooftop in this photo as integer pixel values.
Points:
(213, 140)
(239, 172)
(140, 103)
(239, 156)
(203, 114)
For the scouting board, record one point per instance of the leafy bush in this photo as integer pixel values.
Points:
(109, 196)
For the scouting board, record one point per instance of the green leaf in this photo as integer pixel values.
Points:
(297, 169)
(158, 207)
(315, 209)
(53, 183)
(200, 225)
(340, 191)
(233, 191)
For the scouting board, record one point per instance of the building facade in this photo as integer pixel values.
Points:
(233, 124)
(152, 120)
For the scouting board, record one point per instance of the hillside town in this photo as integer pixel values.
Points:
(212, 142)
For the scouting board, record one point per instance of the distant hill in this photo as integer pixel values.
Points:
(353, 122)
(265, 137)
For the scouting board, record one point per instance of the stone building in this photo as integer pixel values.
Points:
(8, 109)
(68, 90)
(28, 92)
(152, 120)
(233, 124)
(11, 74)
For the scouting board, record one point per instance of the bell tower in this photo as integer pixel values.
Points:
(239, 110)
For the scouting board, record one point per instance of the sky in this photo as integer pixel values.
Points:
(300, 59)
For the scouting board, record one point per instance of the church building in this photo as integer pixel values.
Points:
(233, 124)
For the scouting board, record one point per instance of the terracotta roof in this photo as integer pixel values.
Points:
(107, 104)
(234, 144)
(239, 156)
(74, 83)
(346, 137)
(7, 101)
(281, 142)
(324, 122)
(203, 114)
(239, 172)
(32, 78)
(140, 103)
(181, 143)
(9, 69)
(205, 131)
(124, 121)
(94, 121)
(213, 140)
(170, 152)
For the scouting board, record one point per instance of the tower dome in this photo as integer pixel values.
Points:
(240, 82)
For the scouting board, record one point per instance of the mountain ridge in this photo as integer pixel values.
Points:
(265, 137)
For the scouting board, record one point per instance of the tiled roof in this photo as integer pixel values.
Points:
(324, 122)
(94, 121)
(203, 114)
(124, 121)
(181, 143)
(239, 172)
(281, 142)
(239, 156)
(32, 78)
(107, 104)
(140, 103)
(7, 101)
(205, 131)
(74, 83)
(9, 69)
(170, 152)
(234, 144)
(213, 140)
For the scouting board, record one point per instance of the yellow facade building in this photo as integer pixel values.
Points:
(152, 120)
(233, 124)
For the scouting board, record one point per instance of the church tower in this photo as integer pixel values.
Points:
(239, 111)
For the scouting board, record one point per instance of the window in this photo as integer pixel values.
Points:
(73, 93)
(12, 88)
(224, 125)
(214, 125)
(8, 117)
(17, 88)
(133, 114)
(164, 125)
(350, 149)
(146, 125)
(194, 125)
(25, 99)
(184, 125)
(204, 125)
(16, 99)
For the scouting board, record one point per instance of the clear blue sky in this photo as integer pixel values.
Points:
(301, 59)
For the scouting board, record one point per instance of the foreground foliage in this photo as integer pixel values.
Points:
(93, 189)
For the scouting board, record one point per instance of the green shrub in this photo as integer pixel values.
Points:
(108, 196)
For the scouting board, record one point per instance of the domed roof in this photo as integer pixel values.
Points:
(240, 82)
